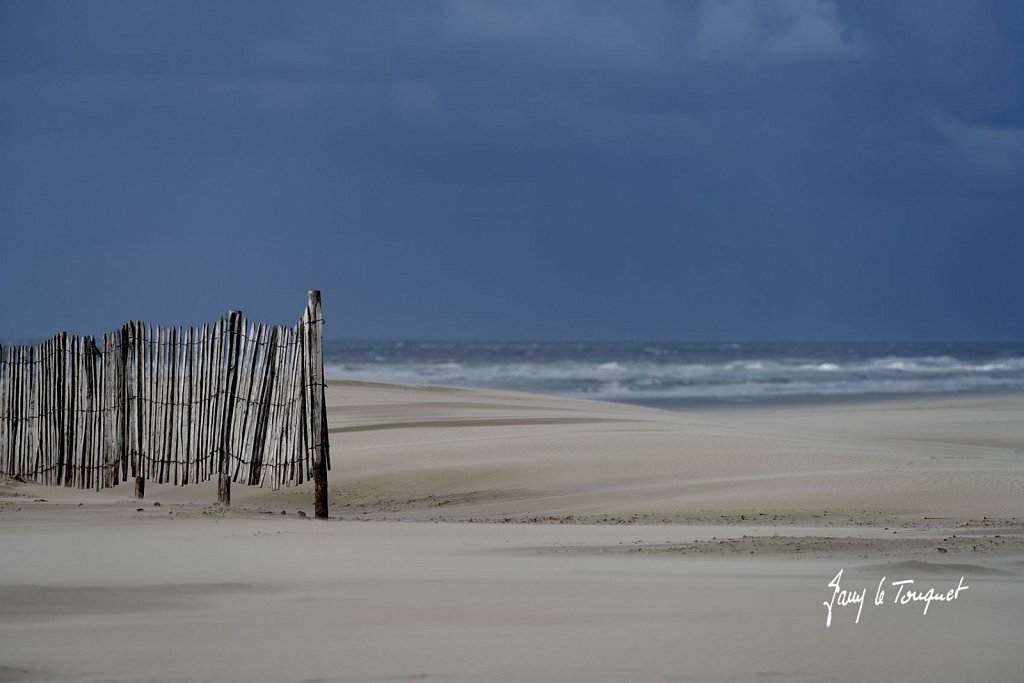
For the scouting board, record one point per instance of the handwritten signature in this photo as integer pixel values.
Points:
(906, 593)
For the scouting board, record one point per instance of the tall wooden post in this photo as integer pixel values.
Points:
(140, 487)
(318, 437)
(234, 323)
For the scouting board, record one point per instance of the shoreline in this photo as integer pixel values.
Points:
(714, 405)
(813, 401)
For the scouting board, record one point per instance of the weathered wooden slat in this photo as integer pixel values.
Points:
(84, 457)
(263, 397)
(154, 451)
(6, 440)
(32, 460)
(131, 387)
(85, 392)
(121, 387)
(156, 448)
(280, 456)
(13, 412)
(231, 325)
(283, 457)
(110, 408)
(202, 404)
(31, 408)
(5, 421)
(70, 471)
(245, 409)
(26, 467)
(177, 404)
(29, 461)
(141, 399)
(299, 452)
(135, 413)
(216, 392)
(165, 422)
(150, 407)
(44, 463)
(24, 419)
(218, 376)
(85, 414)
(216, 388)
(55, 471)
(74, 353)
(209, 401)
(189, 475)
(170, 380)
(239, 462)
(270, 437)
(107, 413)
(166, 378)
(293, 429)
(304, 422)
(195, 448)
(19, 412)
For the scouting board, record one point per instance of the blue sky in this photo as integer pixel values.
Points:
(781, 169)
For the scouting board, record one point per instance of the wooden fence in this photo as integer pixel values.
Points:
(171, 405)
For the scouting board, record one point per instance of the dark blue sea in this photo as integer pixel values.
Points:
(676, 373)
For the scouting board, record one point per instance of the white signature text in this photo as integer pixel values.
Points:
(905, 593)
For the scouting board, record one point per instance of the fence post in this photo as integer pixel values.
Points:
(318, 436)
(234, 319)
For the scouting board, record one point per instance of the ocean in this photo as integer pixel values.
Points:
(677, 373)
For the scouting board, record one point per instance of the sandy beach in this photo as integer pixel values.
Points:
(645, 341)
(493, 536)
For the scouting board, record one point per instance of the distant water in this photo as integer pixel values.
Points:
(669, 373)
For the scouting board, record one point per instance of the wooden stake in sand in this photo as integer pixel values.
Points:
(317, 409)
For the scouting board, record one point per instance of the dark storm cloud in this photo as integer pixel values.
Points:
(796, 168)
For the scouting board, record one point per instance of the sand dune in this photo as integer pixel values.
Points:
(505, 455)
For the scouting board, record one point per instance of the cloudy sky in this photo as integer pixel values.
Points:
(780, 169)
